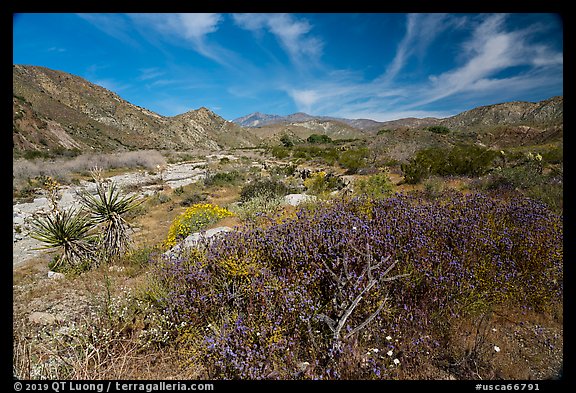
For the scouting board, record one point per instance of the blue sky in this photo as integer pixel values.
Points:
(375, 66)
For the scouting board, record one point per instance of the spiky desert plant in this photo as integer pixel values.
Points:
(106, 208)
(67, 230)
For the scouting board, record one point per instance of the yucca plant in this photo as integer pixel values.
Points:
(106, 208)
(67, 230)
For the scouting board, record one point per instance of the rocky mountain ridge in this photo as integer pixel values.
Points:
(54, 109)
(258, 119)
(547, 112)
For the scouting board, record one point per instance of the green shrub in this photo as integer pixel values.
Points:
(326, 155)
(316, 138)
(470, 160)
(439, 129)
(283, 170)
(300, 153)
(463, 159)
(383, 131)
(426, 162)
(286, 141)
(554, 155)
(529, 179)
(280, 152)
(353, 159)
(34, 154)
(434, 187)
(321, 183)
(269, 187)
(376, 186)
(192, 199)
(222, 179)
(252, 209)
(163, 198)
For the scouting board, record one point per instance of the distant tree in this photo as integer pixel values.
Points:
(439, 129)
(383, 131)
(315, 138)
(286, 141)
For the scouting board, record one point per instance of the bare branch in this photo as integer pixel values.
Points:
(334, 275)
(350, 309)
(367, 321)
(329, 321)
(394, 278)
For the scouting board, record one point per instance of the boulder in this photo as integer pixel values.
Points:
(42, 318)
(197, 239)
(296, 199)
(193, 239)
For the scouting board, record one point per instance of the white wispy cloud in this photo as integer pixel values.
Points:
(150, 73)
(421, 31)
(293, 34)
(485, 56)
(189, 27)
(492, 50)
(306, 99)
(195, 26)
(114, 25)
(56, 49)
(184, 29)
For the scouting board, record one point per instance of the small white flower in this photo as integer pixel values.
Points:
(396, 361)
(389, 353)
(354, 228)
(375, 350)
(496, 348)
(388, 338)
(493, 329)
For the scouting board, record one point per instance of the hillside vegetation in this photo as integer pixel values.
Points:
(376, 279)
(430, 250)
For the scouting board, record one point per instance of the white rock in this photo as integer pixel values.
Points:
(296, 199)
(42, 318)
(18, 220)
(55, 275)
(41, 201)
(195, 239)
